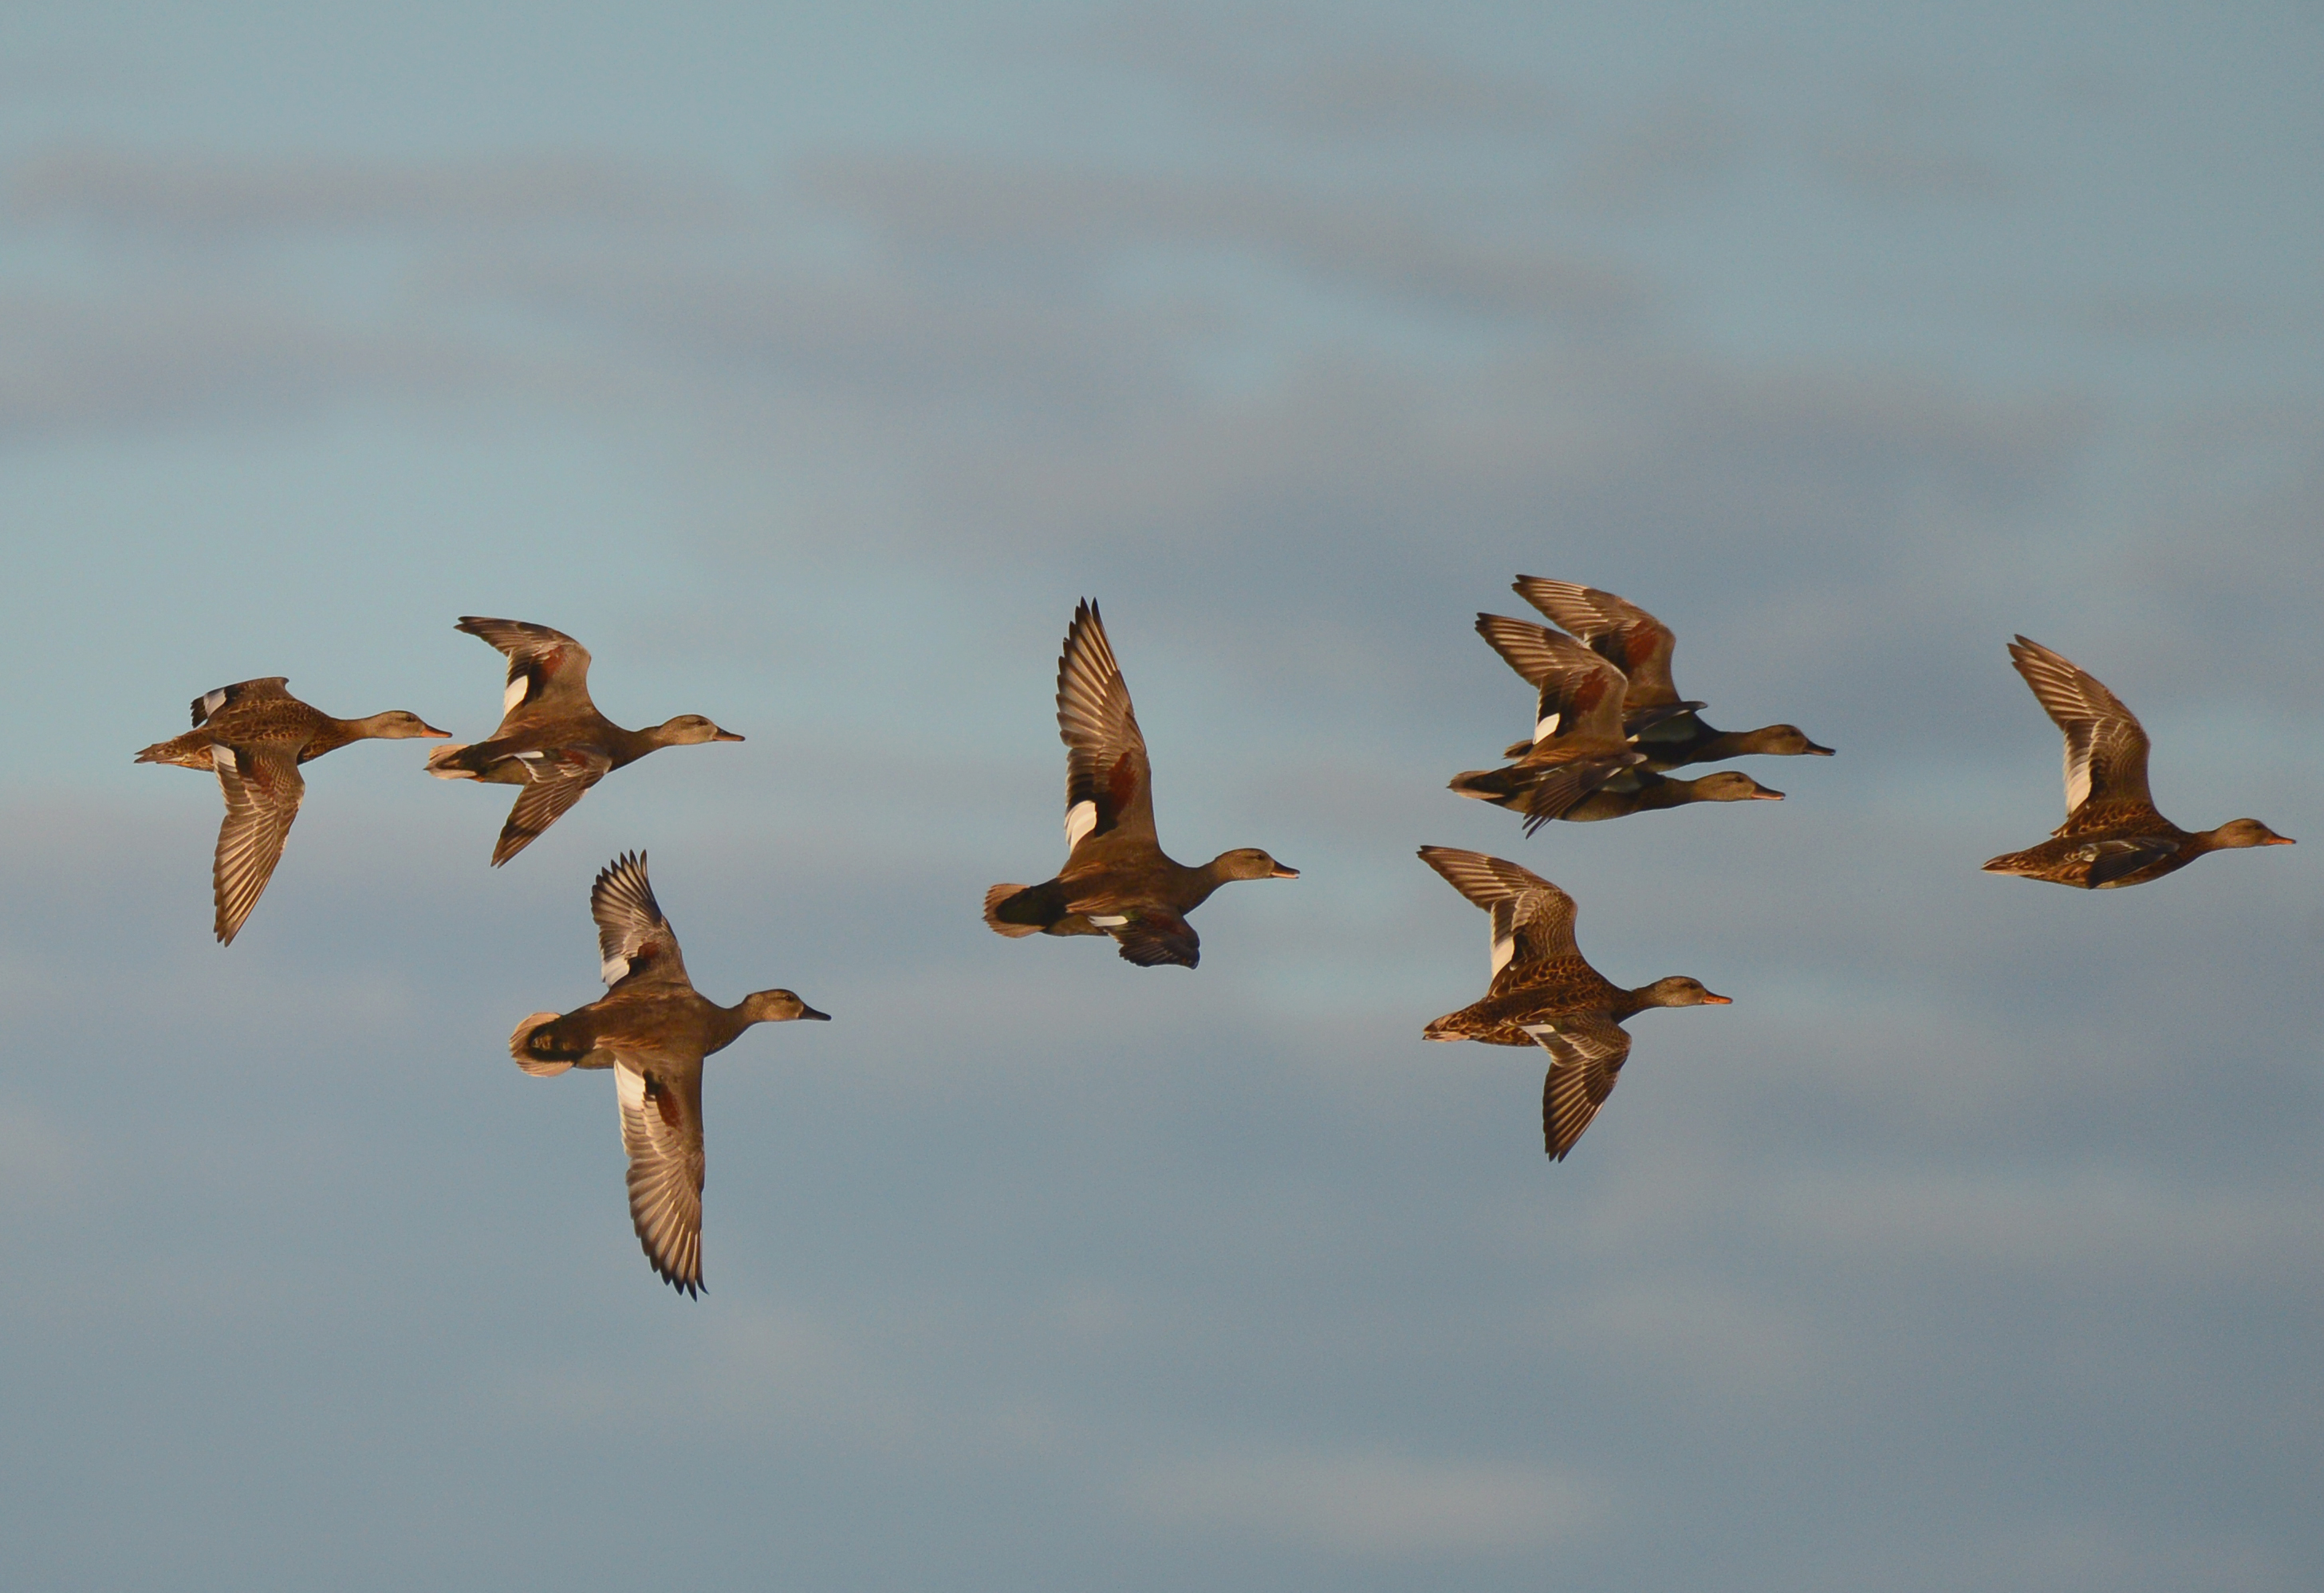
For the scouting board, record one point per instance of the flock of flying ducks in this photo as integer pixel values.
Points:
(1609, 724)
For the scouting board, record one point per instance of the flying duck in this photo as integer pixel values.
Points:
(2113, 834)
(1545, 993)
(653, 1029)
(551, 739)
(1639, 645)
(1117, 880)
(253, 735)
(1579, 742)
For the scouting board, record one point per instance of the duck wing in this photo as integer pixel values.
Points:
(2105, 746)
(548, 672)
(1108, 783)
(262, 788)
(558, 781)
(1154, 937)
(1581, 694)
(2112, 859)
(661, 1130)
(1587, 1050)
(210, 702)
(1532, 919)
(1624, 634)
(633, 936)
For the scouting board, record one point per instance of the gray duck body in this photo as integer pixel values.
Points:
(551, 741)
(1117, 880)
(653, 1028)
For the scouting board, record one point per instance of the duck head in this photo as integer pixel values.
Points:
(396, 725)
(778, 1007)
(1248, 862)
(1786, 741)
(689, 730)
(1731, 785)
(2246, 833)
(1679, 990)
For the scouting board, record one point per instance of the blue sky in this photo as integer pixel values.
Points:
(809, 367)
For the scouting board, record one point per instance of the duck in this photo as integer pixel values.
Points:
(1641, 790)
(551, 739)
(1545, 993)
(1639, 645)
(653, 1028)
(253, 735)
(2112, 835)
(1117, 881)
(1579, 740)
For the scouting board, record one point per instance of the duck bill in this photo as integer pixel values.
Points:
(725, 735)
(1283, 871)
(1764, 795)
(2279, 840)
(804, 1011)
(426, 729)
(1820, 751)
(1710, 1000)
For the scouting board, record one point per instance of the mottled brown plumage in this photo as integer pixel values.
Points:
(253, 735)
(551, 739)
(1544, 992)
(653, 1029)
(2112, 835)
(1117, 880)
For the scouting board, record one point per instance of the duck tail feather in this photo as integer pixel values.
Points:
(997, 897)
(538, 1048)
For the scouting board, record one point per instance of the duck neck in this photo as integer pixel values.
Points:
(727, 1024)
(1202, 881)
(1639, 1000)
(1659, 791)
(1734, 743)
(335, 733)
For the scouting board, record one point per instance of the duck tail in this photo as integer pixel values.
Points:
(538, 1048)
(1001, 896)
(442, 762)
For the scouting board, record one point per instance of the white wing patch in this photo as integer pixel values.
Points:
(1081, 818)
(222, 756)
(631, 1085)
(2078, 766)
(1503, 919)
(1109, 920)
(517, 685)
(1547, 727)
(212, 701)
(615, 969)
